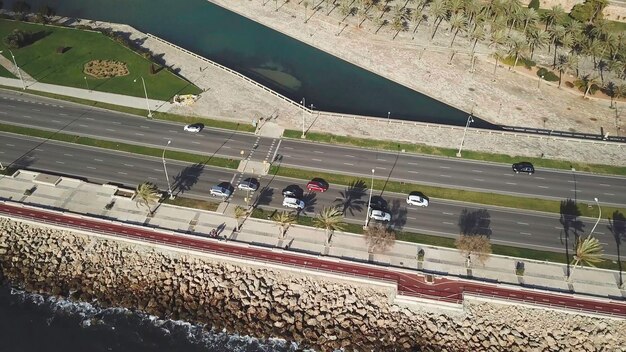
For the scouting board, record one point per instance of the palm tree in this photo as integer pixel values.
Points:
(530, 17)
(588, 251)
(587, 82)
(284, 220)
(517, 47)
(330, 219)
(562, 65)
(478, 33)
(497, 38)
(554, 15)
(239, 213)
(146, 195)
(345, 8)
(537, 39)
(499, 56)
(438, 10)
(458, 22)
(602, 66)
(306, 4)
(379, 238)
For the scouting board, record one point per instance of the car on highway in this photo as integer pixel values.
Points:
(524, 167)
(417, 199)
(317, 185)
(220, 191)
(294, 203)
(194, 127)
(380, 215)
(249, 184)
(293, 191)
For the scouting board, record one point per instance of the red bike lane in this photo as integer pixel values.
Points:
(449, 290)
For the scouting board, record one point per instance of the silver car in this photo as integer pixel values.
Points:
(219, 191)
(249, 184)
(294, 203)
(417, 200)
(380, 215)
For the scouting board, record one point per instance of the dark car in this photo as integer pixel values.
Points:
(524, 167)
(293, 191)
(317, 185)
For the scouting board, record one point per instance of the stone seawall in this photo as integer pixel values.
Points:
(314, 311)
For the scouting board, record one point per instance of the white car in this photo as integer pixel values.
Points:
(195, 128)
(295, 203)
(219, 191)
(249, 184)
(380, 215)
(419, 201)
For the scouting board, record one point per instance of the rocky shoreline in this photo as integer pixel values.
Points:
(316, 312)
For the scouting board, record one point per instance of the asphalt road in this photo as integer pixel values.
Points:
(445, 172)
(507, 226)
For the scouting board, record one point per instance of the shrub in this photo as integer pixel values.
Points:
(30, 191)
(17, 39)
(420, 255)
(547, 75)
(510, 60)
(534, 4)
(519, 268)
(569, 84)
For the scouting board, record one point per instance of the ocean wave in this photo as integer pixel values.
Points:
(78, 326)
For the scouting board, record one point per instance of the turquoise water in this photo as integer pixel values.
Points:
(290, 67)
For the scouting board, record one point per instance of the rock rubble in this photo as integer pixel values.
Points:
(314, 311)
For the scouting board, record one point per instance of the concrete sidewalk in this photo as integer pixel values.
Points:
(103, 97)
(108, 201)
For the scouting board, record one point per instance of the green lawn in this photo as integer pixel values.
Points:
(4, 72)
(41, 60)
(424, 149)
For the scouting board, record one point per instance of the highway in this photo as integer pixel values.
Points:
(507, 226)
(421, 169)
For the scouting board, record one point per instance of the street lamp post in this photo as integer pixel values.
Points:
(303, 102)
(599, 216)
(469, 120)
(369, 202)
(145, 92)
(19, 73)
(86, 83)
(388, 117)
(169, 187)
(539, 80)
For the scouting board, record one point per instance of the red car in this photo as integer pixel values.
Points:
(317, 185)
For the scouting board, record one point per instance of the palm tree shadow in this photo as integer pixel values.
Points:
(475, 222)
(399, 218)
(391, 171)
(310, 200)
(617, 226)
(187, 178)
(351, 198)
(569, 220)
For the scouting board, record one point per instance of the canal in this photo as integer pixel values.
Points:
(277, 61)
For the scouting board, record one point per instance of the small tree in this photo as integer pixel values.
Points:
(478, 245)
(147, 194)
(330, 219)
(379, 238)
(534, 4)
(16, 39)
(239, 214)
(588, 251)
(284, 220)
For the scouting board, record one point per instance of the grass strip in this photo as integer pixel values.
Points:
(192, 203)
(467, 154)
(447, 242)
(228, 125)
(550, 206)
(122, 147)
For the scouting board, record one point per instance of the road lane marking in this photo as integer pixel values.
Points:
(97, 160)
(477, 170)
(35, 110)
(445, 175)
(59, 162)
(28, 117)
(56, 121)
(526, 233)
(288, 148)
(413, 172)
(605, 185)
(540, 178)
(70, 155)
(522, 223)
(444, 213)
(194, 142)
(348, 164)
(318, 152)
(138, 134)
(159, 170)
(413, 163)
(382, 168)
(62, 114)
(10, 145)
(543, 187)
(608, 194)
(152, 178)
(225, 147)
(349, 156)
(316, 159)
(511, 183)
(173, 131)
(3, 112)
(478, 179)
(382, 159)
(79, 125)
(108, 129)
(116, 122)
(128, 165)
(122, 173)
(448, 223)
(410, 218)
(142, 126)
(91, 167)
(444, 167)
